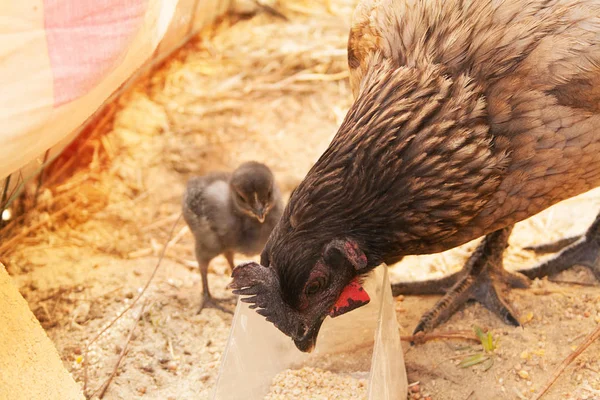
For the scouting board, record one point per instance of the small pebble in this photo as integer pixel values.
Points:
(523, 374)
(148, 368)
(142, 390)
(81, 313)
(172, 366)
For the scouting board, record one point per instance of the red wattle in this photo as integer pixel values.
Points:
(352, 297)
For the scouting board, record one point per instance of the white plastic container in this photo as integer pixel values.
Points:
(362, 343)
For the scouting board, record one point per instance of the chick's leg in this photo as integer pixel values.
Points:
(207, 300)
(482, 279)
(229, 257)
(583, 250)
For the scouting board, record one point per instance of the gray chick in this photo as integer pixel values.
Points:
(230, 213)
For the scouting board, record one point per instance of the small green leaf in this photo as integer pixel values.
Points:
(473, 360)
(490, 342)
(487, 341)
(488, 364)
(479, 333)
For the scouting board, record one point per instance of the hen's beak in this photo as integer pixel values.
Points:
(352, 297)
(308, 342)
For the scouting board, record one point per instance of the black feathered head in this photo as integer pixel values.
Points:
(331, 288)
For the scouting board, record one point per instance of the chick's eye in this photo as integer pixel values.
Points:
(315, 286)
(240, 198)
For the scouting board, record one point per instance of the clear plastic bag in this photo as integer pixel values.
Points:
(362, 343)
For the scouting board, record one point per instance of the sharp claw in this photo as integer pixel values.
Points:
(420, 328)
(418, 334)
(477, 281)
(510, 319)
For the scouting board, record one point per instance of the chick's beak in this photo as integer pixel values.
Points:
(260, 214)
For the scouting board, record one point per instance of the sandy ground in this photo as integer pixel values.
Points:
(274, 91)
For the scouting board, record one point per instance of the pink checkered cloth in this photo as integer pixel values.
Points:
(86, 39)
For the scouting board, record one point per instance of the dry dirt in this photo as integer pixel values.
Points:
(273, 91)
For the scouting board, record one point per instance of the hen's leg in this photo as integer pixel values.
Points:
(584, 251)
(478, 280)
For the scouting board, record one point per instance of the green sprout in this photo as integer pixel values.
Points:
(485, 357)
(487, 341)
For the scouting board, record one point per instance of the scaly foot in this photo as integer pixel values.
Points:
(553, 247)
(480, 280)
(584, 252)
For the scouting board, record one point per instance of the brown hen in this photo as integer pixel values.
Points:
(469, 116)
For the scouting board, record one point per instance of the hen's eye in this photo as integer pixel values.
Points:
(315, 286)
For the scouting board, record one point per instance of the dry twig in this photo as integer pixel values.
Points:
(6, 245)
(591, 338)
(129, 307)
(420, 338)
(106, 384)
